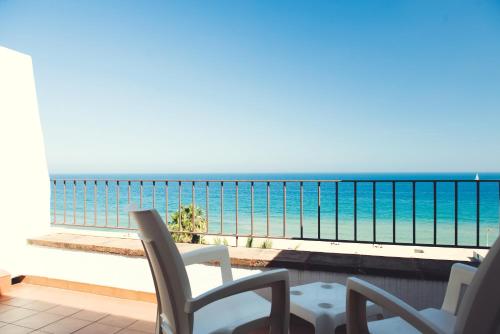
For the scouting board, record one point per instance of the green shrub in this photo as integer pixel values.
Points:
(249, 242)
(219, 241)
(185, 215)
(266, 244)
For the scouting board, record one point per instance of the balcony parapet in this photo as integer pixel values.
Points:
(388, 262)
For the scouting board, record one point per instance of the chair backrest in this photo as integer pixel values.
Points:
(479, 310)
(169, 273)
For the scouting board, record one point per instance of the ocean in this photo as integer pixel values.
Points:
(92, 211)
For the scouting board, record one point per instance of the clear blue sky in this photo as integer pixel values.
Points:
(262, 86)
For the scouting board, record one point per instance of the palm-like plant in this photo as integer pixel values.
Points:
(183, 219)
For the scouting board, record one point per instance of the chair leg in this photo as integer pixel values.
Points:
(158, 322)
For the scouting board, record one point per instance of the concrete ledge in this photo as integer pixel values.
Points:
(118, 246)
(391, 266)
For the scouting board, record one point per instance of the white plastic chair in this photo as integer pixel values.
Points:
(478, 311)
(232, 307)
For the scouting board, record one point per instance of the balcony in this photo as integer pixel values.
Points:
(94, 231)
(76, 263)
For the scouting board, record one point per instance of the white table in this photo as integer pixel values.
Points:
(323, 305)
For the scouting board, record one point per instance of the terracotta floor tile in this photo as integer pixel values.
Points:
(16, 301)
(4, 308)
(13, 329)
(16, 314)
(96, 328)
(86, 301)
(131, 331)
(89, 315)
(143, 326)
(39, 306)
(117, 321)
(63, 310)
(65, 326)
(4, 298)
(39, 320)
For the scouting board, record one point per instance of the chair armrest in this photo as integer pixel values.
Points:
(461, 274)
(277, 280)
(359, 291)
(212, 253)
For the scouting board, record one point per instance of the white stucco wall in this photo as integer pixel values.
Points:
(115, 270)
(24, 184)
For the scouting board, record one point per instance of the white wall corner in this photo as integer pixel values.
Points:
(25, 185)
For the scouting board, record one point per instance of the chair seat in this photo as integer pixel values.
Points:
(442, 319)
(224, 315)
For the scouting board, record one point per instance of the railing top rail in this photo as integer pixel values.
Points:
(274, 180)
(197, 180)
(420, 180)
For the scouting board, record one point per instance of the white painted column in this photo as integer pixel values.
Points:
(24, 177)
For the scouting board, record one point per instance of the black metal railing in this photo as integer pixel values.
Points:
(292, 196)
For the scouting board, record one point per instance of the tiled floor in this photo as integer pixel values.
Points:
(36, 309)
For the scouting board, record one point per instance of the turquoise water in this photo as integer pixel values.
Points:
(94, 213)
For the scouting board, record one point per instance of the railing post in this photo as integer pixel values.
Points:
(193, 206)
(374, 211)
(478, 213)
(284, 209)
(301, 210)
(355, 190)
(117, 203)
(128, 200)
(206, 203)
(154, 194)
(267, 210)
(456, 213)
(95, 202)
(106, 202)
(166, 202)
(414, 215)
(84, 202)
(221, 207)
(393, 212)
(319, 210)
(336, 211)
(74, 202)
(54, 202)
(180, 206)
(251, 208)
(236, 208)
(435, 213)
(141, 190)
(64, 197)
